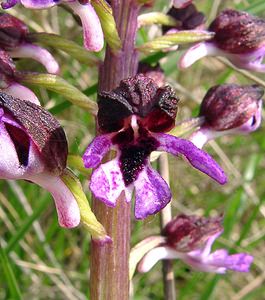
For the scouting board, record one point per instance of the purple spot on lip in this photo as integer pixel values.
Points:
(134, 153)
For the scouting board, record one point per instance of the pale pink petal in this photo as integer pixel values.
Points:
(19, 91)
(38, 4)
(181, 3)
(66, 205)
(92, 31)
(151, 193)
(39, 54)
(154, 255)
(197, 52)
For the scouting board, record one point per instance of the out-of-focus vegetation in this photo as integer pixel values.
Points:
(49, 262)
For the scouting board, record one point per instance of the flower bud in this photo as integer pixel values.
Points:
(229, 109)
(239, 36)
(231, 106)
(188, 18)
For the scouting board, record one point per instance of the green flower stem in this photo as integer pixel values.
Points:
(69, 47)
(165, 217)
(156, 18)
(109, 270)
(59, 85)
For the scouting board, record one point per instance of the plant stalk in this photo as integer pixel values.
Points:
(165, 217)
(109, 279)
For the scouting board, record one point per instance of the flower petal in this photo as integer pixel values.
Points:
(151, 193)
(107, 183)
(17, 90)
(96, 150)
(66, 205)
(39, 54)
(237, 262)
(197, 157)
(92, 31)
(197, 52)
(154, 255)
(38, 4)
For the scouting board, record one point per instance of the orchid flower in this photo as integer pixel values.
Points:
(239, 36)
(229, 109)
(190, 239)
(34, 148)
(132, 119)
(181, 3)
(9, 82)
(13, 39)
(92, 31)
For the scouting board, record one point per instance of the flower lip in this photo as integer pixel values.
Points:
(141, 96)
(238, 32)
(12, 31)
(44, 130)
(229, 106)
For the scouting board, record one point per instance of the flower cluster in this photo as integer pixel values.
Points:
(132, 119)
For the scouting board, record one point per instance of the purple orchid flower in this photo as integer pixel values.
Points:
(190, 238)
(132, 119)
(13, 39)
(34, 148)
(239, 36)
(92, 31)
(229, 109)
(9, 82)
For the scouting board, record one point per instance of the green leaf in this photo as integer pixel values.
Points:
(69, 47)
(165, 42)
(9, 275)
(108, 23)
(87, 217)
(59, 85)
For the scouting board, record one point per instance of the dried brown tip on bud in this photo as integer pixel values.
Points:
(229, 106)
(44, 130)
(238, 32)
(155, 72)
(141, 96)
(186, 233)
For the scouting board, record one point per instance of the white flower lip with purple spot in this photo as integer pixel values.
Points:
(190, 238)
(239, 36)
(132, 119)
